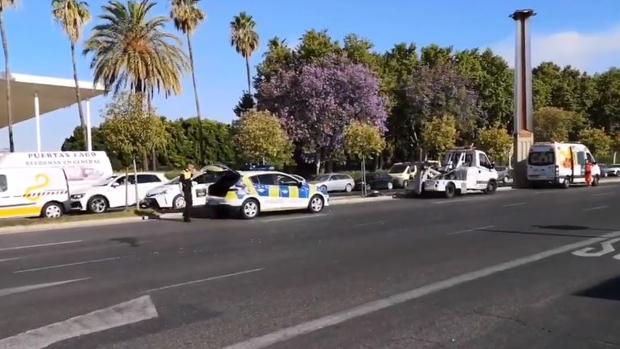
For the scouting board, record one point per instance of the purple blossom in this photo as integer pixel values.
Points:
(316, 102)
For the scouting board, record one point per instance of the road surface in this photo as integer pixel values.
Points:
(518, 269)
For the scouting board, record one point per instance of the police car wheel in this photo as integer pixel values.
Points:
(316, 204)
(250, 209)
(52, 210)
(178, 203)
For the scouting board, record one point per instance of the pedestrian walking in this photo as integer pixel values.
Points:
(186, 186)
(589, 178)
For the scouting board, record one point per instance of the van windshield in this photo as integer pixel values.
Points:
(541, 158)
(398, 168)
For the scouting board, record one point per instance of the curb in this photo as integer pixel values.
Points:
(68, 225)
(347, 201)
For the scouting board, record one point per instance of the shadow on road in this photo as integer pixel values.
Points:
(608, 289)
(132, 242)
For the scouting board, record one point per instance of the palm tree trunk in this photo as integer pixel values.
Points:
(191, 62)
(200, 140)
(247, 67)
(78, 98)
(7, 78)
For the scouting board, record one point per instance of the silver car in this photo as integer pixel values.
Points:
(334, 182)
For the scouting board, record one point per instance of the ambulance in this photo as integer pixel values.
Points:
(560, 164)
(40, 183)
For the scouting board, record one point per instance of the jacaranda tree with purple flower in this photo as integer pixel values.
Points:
(317, 101)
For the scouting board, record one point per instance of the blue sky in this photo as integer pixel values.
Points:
(582, 33)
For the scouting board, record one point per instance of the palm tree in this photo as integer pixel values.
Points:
(245, 39)
(187, 16)
(73, 15)
(132, 51)
(5, 5)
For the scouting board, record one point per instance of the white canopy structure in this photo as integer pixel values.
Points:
(35, 95)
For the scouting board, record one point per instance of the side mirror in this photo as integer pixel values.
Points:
(300, 184)
(492, 165)
(194, 183)
(115, 185)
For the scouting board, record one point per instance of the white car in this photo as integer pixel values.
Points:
(114, 193)
(170, 195)
(249, 193)
(334, 182)
(613, 170)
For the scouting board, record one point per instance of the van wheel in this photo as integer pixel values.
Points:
(98, 204)
(179, 202)
(491, 187)
(450, 190)
(405, 184)
(250, 209)
(595, 181)
(316, 204)
(52, 210)
(566, 183)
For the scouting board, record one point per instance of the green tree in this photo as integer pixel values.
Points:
(216, 138)
(433, 55)
(360, 50)
(187, 16)
(316, 45)
(555, 124)
(599, 142)
(261, 138)
(496, 142)
(6, 5)
(491, 77)
(245, 39)
(246, 103)
(278, 56)
(131, 50)
(363, 140)
(606, 110)
(77, 142)
(439, 135)
(131, 131)
(73, 15)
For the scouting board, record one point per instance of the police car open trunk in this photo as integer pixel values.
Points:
(221, 187)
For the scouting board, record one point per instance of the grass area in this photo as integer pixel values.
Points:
(80, 217)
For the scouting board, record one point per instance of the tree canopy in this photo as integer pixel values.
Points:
(261, 138)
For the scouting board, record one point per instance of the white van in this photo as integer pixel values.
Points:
(83, 168)
(560, 163)
(27, 192)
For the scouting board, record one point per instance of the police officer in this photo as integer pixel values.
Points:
(186, 185)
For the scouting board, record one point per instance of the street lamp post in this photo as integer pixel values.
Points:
(523, 118)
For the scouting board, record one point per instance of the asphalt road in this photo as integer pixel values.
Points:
(518, 269)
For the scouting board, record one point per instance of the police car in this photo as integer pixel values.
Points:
(248, 193)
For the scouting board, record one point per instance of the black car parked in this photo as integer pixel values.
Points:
(376, 181)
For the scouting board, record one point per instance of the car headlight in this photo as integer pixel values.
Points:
(77, 196)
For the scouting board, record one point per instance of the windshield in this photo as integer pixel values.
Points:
(398, 168)
(541, 158)
(321, 178)
(108, 181)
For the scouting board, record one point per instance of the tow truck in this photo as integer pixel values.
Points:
(464, 170)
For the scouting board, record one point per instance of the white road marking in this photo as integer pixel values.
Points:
(20, 289)
(203, 280)
(470, 230)
(371, 307)
(596, 208)
(606, 248)
(67, 265)
(8, 259)
(122, 314)
(515, 204)
(40, 245)
(289, 218)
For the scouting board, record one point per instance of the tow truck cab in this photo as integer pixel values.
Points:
(464, 169)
